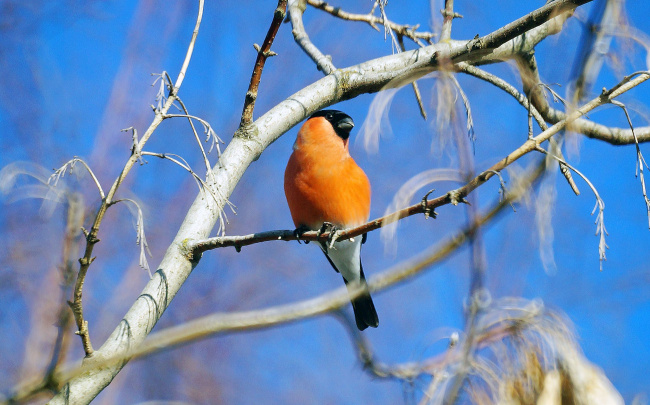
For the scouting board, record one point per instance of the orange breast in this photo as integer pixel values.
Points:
(323, 183)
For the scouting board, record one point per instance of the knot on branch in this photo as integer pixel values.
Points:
(86, 261)
(481, 299)
(266, 54)
(247, 131)
(251, 96)
(455, 197)
(475, 43)
(187, 248)
(279, 13)
(451, 14)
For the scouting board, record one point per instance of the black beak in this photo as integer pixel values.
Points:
(346, 124)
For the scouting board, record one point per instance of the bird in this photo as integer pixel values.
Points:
(325, 187)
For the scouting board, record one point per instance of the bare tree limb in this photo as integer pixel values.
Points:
(448, 16)
(296, 9)
(518, 27)
(372, 20)
(263, 53)
(616, 136)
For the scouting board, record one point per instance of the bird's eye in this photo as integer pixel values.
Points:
(329, 116)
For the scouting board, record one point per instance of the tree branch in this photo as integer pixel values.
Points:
(324, 63)
(263, 53)
(372, 20)
(615, 136)
(448, 16)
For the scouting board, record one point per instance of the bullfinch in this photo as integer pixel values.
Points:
(324, 185)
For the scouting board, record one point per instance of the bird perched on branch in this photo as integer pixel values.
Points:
(325, 187)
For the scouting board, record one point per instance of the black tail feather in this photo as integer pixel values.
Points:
(365, 313)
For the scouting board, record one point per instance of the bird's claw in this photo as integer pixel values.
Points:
(326, 227)
(299, 231)
(428, 212)
(333, 233)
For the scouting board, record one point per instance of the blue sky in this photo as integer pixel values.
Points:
(75, 73)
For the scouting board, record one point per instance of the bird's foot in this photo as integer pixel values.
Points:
(333, 233)
(299, 231)
(326, 227)
(428, 212)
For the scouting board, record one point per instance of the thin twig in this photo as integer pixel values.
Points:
(387, 29)
(323, 63)
(416, 89)
(263, 53)
(74, 223)
(476, 308)
(640, 160)
(141, 239)
(468, 110)
(594, 45)
(190, 50)
(477, 263)
(600, 205)
(69, 166)
(206, 129)
(372, 20)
